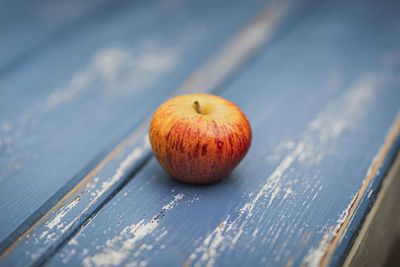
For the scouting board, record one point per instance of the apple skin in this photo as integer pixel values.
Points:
(199, 148)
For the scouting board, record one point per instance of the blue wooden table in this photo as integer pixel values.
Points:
(79, 81)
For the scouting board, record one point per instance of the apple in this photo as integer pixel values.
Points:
(199, 138)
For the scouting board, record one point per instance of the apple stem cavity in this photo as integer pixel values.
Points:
(197, 106)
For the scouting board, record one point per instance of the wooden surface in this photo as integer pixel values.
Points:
(380, 232)
(79, 186)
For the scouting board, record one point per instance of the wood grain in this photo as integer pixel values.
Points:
(316, 135)
(93, 191)
(372, 172)
(65, 111)
(321, 96)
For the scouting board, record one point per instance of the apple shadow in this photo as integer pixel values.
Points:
(208, 203)
(166, 182)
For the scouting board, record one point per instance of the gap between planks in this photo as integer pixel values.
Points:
(228, 59)
(70, 195)
(390, 140)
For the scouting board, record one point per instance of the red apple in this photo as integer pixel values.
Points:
(199, 138)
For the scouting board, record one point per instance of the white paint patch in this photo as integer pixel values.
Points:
(59, 225)
(255, 233)
(123, 70)
(73, 242)
(339, 116)
(117, 250)
(43, 234)
(136, 154)
(208, 250)
(271, 187)
(352, 104)
(127, 163)
(170, 205)
(113, 70)
(109, 62)
(84, 252)
(57, 220)
(289, 191)
(315, 255)
(119, 70)
(78, 83)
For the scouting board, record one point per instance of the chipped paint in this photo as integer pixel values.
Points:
(120, 70)
(117, 250)
(86, 185)
(170, 205)
(73, 242)
(237, 51)
(208, 250)
(56, 221)
(106, 65)
(372, 170)
(339, 115)
(281, 187)
(314, 255)
(117, 68)
(106, 185)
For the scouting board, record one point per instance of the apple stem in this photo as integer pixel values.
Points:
(197, 106)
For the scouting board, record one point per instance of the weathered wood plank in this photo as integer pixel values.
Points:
(100, 184)
(324, 109)
(381, 228)
(61, 113)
